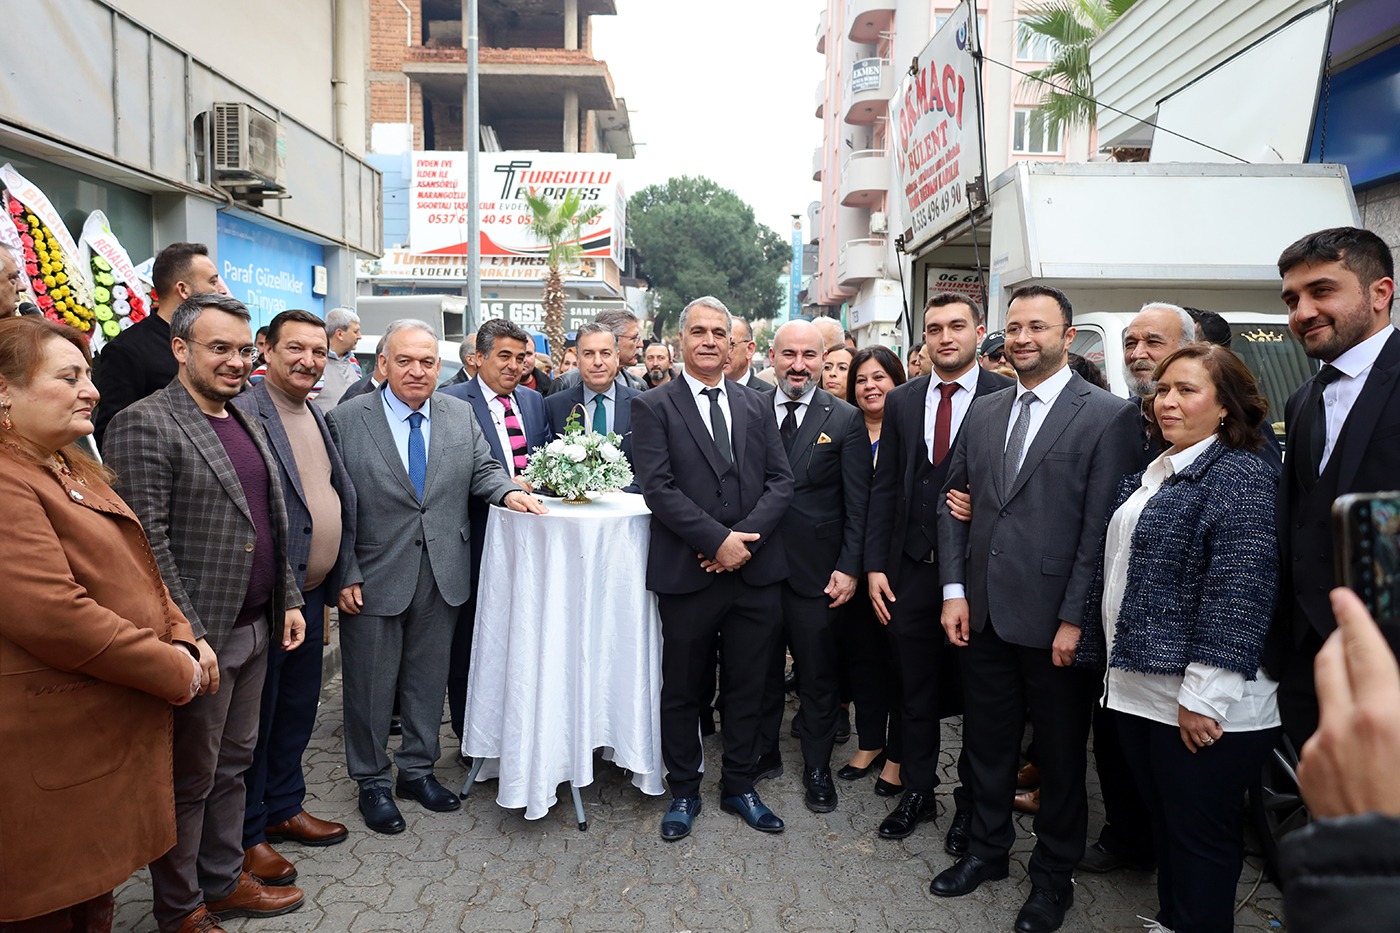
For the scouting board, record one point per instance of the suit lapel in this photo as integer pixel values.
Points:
(1000, 417)
(914, 429)
(437, 441)
(1067, 405)
(277, 434)
(487, 422)
(377, 423)
(685, 406)
(818, 411)
(738, 422)
(622, 410)
(1355, 436)
(191, 419)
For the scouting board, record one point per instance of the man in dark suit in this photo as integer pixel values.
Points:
(372, 380)
(1343, 437)
(739, 367)
(600, 402)
(823, 534)
(200, 476)
(922, 422)
(416, 457)
(715, 477)
(629, 343)
(514, 421)
(1043, 460)
(321, 518)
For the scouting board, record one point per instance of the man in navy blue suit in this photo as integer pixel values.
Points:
(600, 402)
(515, 422)
(717, 481)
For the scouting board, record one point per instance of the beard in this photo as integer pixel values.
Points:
(794, 392)
(1139, 376)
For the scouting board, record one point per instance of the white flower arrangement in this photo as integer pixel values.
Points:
(579, 461)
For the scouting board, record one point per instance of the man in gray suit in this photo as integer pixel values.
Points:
(415, 458)
(1046, 456)
(200, 476)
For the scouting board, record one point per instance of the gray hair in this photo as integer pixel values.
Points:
(498, 328)
(467, 347)
(711, 302)
(616, 320)
(748, 328)
(402, 324)
(1188, 323)
(182, 321)
(596, 328)
(340, 319)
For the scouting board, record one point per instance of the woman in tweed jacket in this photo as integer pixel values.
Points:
(1182, 602)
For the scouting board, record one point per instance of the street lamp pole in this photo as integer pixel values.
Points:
(472, 143)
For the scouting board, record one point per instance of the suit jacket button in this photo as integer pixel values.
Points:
(995, 552)
(306, 530)
(1003, 513)
(925, 482)
(418, 543)
(726, 505)
(249, 547)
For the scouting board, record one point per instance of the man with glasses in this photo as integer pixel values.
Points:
(200, 476)
(1043, 459)
(628, 329)
(739, 366)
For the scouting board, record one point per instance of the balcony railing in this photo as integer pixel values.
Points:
(865, 178)
(867, 19)
(860, 260)
(868, 90)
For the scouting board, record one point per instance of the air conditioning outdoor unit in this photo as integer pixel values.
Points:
(249, 149)
(879, 222)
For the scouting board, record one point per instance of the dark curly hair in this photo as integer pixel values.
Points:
(887, 361)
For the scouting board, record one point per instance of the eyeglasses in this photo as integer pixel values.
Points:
(1035, 328)
(224, 351)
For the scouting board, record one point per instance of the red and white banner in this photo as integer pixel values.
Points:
(438, 204)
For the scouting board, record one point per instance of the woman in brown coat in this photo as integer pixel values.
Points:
(89, 660)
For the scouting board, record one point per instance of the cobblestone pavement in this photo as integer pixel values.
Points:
(487, 869)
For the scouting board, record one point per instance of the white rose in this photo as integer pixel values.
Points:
(609, 453)
(556, 446)
(575, 452)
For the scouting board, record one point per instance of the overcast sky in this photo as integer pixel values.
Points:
(724, 89)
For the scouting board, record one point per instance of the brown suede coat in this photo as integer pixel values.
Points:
(87, 676)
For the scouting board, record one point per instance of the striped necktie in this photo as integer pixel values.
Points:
(516, 435)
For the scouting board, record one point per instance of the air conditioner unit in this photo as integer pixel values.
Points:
(249, 149)
(879, 222)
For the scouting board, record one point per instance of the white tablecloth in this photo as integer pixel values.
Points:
(566, 656)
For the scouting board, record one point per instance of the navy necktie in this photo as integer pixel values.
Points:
(417, 454)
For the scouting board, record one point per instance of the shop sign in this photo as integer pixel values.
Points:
(268, 271)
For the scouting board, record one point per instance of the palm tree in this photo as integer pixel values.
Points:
(559, 225)
(1064, 92)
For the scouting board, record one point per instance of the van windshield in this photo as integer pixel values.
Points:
(1277, 360)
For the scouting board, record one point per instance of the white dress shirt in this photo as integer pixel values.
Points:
(1045, 395)
(961, 399)
(780, 403)
(1338, 398)
(498, 419)
(1239, 705)
(396, 412)
(702, 402)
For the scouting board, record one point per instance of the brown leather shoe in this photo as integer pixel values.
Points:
(264, 863)
(201, 921)
(252, 898)
(1027, 802)
(1028, 778)
(307, 830)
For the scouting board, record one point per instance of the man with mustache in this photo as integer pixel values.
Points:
(321, 522)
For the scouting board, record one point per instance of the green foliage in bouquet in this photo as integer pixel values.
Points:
(579, 461)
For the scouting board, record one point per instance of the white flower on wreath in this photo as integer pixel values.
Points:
(575, 452)
(608, 452)
(556, 446)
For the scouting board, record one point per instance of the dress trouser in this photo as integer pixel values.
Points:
(91, 916)
(215, 734)
(1002, 680)
(1297, 693)
(870, 676)
(460, 660)
(809, 629)
(1197, 806)
(276, 784)
(410, 650)
(928, 676)
(750, 620)
(1127, 829)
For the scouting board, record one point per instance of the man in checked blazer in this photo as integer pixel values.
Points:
(200, 476)
(416, 457)
(1044, 459)
(321, 514)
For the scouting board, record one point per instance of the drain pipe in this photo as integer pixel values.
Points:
(407, 81)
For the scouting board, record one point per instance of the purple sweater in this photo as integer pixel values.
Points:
(253, 476)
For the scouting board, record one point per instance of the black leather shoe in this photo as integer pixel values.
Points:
(752, 809)
(679, 817)
(396, 726)
(1043, 911)
(427, 791)
(913, 809)
(1100, 860)
(885, 789)
(843, 726)
(957, 840)
(790, 681)
(966, 874)
(769, 766)
(852, 773)
(821, 792)
(379, 810)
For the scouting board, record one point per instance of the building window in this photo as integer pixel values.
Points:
(1033, 135)
(1033, 47)
(940, 18)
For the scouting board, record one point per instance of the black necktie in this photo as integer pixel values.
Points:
(788, 429)
(719, 428)
(1317, 426)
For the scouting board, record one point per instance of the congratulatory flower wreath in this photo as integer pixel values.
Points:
(579, 461)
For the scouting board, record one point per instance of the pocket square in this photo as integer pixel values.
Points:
(823, 439)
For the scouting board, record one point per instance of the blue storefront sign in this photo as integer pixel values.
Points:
(268, 271)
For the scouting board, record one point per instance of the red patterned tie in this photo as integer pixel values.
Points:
(516, 435)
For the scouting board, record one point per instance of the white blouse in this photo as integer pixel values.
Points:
(1239, 705)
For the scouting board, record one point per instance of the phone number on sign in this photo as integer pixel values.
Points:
(486, 219)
